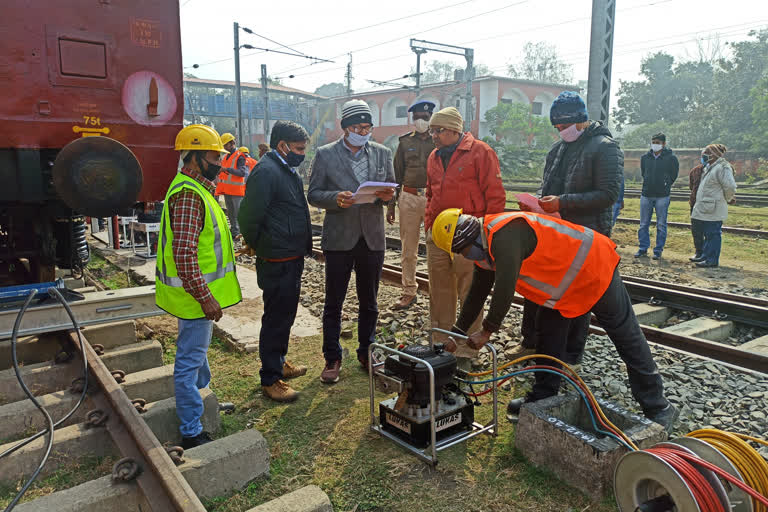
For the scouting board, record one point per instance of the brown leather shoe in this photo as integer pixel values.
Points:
(291, 370)
(521, 351)
(330, 374)
(405, 302)
(280, 392)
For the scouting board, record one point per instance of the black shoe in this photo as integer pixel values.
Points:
(513, 409)
(706, 264)
(665, 417)
(641, 254)
(697, 258)
(201, 438)
(657, 256)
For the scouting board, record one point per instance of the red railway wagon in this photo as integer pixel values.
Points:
(92, 101)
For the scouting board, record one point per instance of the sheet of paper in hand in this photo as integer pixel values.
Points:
(533, 204)
(366, 192)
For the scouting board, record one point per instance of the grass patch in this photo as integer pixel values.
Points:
(110, 275)
(74, 473)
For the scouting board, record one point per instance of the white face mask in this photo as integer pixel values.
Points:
(656, 147)
(421, 125)
(571, 133)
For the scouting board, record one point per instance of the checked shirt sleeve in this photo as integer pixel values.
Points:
(187, 220)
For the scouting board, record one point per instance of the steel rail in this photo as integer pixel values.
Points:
(704, 348)
(162, 484)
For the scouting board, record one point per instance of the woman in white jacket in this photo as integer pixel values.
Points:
(716, 190)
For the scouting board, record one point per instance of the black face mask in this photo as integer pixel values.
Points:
(211, 171)
(291, 158)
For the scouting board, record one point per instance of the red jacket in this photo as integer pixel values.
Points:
(471, 182)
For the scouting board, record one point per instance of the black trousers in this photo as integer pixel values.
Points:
(578, 329)
(281, 284)
(338, 269)
(614, 314)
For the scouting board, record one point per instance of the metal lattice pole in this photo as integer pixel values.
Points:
(600, 59)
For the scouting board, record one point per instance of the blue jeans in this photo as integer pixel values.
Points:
(711, 232)
(616, 210)
(647, 206)
(191, 373)
(338, 269)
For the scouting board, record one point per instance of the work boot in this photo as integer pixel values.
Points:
(405, 302)
(330, 374)
(514, 406)
(291, 371)
(665, 417)
(201, 438)
(641, 254)
(696, 258)
(520, 351)
(705, 264)
(280, 392)
(657, 256)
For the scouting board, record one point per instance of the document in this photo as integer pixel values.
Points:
(533, 204)
(366, 192)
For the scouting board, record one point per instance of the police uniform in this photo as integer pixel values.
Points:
(411, 176)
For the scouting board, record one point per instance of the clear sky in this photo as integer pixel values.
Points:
(496, 29)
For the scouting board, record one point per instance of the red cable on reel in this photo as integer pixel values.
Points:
(702, 492)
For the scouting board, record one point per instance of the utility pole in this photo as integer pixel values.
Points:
(419, 46)
(239, 113)
(418, 53)
(349, 76)
(600, 59)
(265, 90)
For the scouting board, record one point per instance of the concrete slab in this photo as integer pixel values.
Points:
(242, 322)
(213, 469)
(77, 439)
(651, 315)
(307, 499)
(21, 417)
(705, 328)
(30, 350)
(111, 335)
(759, 345)
(48, 377)
(557, 434)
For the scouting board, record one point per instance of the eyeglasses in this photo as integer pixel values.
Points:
(361, 130)
(436, 131)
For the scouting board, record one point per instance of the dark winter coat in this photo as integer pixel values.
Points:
(659, 173)
(591, 177)
(274, 217)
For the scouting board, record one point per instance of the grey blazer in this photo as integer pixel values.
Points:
(331, 173)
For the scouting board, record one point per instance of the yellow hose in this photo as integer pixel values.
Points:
(753, 468)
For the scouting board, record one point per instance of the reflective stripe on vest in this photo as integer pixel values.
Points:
(215, 256)
(567, 270)
(586, 237)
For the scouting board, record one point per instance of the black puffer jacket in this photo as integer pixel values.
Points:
(659, 173)
(594, 168)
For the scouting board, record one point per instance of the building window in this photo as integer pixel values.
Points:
(537, 106)
(401, 112)
(508, 101)
(458, 103)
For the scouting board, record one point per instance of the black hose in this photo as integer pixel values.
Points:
(51, 426)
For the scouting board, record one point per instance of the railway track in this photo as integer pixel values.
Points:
(757, 200)
(662, 299)
(110, 396)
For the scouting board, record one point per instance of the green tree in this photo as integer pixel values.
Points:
(436, 71)
(540, 62)
(759, 139)
(515, 124)
(331, 90)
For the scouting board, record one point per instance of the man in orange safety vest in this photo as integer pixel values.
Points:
(231, 181)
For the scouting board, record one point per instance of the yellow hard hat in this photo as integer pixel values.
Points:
(227, 137)
(198, 137)
(444, 228)
(243, 149)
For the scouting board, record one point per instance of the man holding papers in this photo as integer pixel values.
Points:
(353, 229)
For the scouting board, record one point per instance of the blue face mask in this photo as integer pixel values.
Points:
(704, 159)
(357, 140)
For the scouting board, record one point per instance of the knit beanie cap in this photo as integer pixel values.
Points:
(716, 150)
(355, 112)
(568, 108)
(449, 118)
